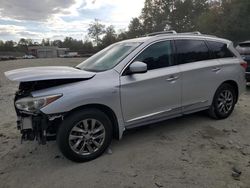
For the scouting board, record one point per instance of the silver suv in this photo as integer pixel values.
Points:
(128, 84)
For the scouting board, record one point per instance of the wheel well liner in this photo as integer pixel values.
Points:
(105, 109)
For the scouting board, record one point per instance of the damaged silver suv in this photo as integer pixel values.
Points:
(126, 85)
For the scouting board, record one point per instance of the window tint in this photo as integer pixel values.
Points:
(245, 45)
(220, 50)
(157, 55)
(191, 50)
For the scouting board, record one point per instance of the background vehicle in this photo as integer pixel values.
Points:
(29, 57)
(126, 85)
(70, 55)
(244, 49)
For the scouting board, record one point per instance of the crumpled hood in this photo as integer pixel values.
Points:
(47, 73)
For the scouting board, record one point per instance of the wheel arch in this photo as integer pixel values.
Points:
(234, 85)
(105, 109)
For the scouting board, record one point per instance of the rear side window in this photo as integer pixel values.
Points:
(158, 55)
(189, 51)
(245, 45)
(220, 50)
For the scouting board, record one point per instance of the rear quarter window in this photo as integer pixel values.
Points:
(244, 45)
(219, 50)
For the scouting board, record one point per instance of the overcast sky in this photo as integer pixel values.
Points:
(56, 19)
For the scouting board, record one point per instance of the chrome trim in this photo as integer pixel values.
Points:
(149, 115)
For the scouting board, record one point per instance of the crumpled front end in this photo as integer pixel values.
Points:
(35, 125)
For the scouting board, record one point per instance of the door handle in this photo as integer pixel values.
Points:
(172, 78)
(216, 69)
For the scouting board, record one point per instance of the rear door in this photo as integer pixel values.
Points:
(199, 73)
(156, 93)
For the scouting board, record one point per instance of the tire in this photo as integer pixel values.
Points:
(76, 135)
(222, 107)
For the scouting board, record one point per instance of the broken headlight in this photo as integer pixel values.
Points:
(33, 104)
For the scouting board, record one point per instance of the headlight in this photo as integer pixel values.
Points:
(33, 104)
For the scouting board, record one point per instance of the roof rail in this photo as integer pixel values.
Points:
(174, 32)
(192, 33)
(161, 33)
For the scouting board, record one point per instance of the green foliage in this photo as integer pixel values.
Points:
(185, 14)
(8, 45)
(95, 30)
(45, 42)
(135, 28)
(109, 37)
(225, 18)
(228, 19)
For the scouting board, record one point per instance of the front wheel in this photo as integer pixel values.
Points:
(84, 135)
(223, 102)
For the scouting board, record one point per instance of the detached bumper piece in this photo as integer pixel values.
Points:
(33, 127)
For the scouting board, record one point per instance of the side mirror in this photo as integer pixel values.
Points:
(138, 67)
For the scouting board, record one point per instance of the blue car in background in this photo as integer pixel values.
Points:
(244, 49)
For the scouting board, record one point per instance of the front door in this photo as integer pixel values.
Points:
(157, 92)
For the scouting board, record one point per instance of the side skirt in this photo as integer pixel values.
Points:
(147, 122)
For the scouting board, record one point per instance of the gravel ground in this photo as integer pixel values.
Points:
(193, 151)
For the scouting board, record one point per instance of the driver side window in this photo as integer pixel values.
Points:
(158, 55)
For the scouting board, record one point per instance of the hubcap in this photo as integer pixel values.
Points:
(225, 101)
(87, 136)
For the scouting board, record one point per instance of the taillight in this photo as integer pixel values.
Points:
(244, 64)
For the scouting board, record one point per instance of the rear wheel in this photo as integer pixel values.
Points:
(84, 135)
(223, 102)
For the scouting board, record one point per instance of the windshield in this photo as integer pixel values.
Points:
(108, 57)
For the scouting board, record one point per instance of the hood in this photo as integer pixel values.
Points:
(47, 73)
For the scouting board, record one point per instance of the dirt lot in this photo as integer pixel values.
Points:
(192, 151)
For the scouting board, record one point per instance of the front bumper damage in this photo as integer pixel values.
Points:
(36, 126)
(39, 126)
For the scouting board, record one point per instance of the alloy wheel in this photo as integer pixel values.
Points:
(87, 136)
(225, 101)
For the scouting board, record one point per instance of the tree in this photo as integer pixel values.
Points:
(227, 19)
(155, 15)
(9, 45)
(22, 45)
(135, 28)
(109, 37)
(72, 44)
(236, 22)
(23, 42)
(57, 43)
(87, 47)
(45, 42)
(95, 30)
(147, 16)
(122, 35)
